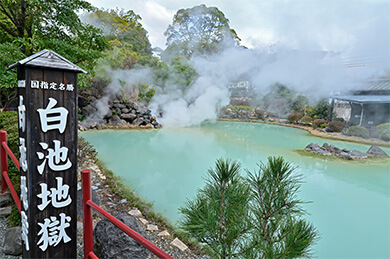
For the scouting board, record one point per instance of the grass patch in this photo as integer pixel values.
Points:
(303, 152)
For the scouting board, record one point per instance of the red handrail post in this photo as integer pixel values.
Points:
(3, 160)
(87, 210)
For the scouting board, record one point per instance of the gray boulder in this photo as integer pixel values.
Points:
(128, 117)
(5, 211)
(315, 148)
(125, 110)
(115, 119)
(114, 243)
(5, 199)
(322, 152)
(89, 109)
(312, 146)
(12, 244)
(356, 154)
(344, 155)
(377, 151)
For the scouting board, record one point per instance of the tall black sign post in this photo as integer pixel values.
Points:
(47, 89)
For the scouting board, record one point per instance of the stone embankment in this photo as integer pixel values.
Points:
(331, 150)
(121, 114)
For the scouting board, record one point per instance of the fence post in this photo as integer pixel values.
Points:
(87, 211)
(3, 160)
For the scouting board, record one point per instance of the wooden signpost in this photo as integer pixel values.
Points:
(47, 89)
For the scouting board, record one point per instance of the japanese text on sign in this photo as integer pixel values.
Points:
(35, 84)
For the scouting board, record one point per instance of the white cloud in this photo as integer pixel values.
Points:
(155, 20)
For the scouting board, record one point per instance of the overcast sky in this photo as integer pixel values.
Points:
(354, 26)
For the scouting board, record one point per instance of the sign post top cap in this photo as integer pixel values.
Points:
(49, 59)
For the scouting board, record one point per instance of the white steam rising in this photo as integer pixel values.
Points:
(323, 48)
(123, 85)
(312, 73)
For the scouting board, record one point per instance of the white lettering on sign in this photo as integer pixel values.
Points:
(23, 192)
(69, 87)
(59, 196)
(23, 154)
(57, 158)
(53, 118)
(24, 220)
(35, 84)
(53, 231)
(55, 86)
(22, 83)
(44, 85)
(22, 114)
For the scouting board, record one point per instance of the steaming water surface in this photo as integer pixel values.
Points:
(351, 200)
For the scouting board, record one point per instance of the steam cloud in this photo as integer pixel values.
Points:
(304, 65)
(314, 73)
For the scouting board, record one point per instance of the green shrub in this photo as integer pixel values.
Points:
(323, 125)
(306, 120)
(252, 217)
(294, 117)
(317, 123)
(384, 131)
(357, 131)
(336, 126)
(260, 114)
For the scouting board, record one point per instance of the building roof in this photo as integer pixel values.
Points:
(363, 98)
(380, 84)
(49, 59)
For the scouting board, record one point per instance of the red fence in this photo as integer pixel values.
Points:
(5, 151)
(88, 205)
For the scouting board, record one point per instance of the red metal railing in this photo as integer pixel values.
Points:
(5, 151)
(88, 205)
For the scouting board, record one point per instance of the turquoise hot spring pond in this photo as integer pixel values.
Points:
(350, 201)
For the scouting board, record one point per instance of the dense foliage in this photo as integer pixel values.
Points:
(28, 26)
(126, 36)
(384, 131)
(306, 120)
(129, 49)
(358, 131)
(9, 53)
(322, 109)
(300, 105)
(336, 126)
(199, 30)
(317, 123)
(256, 217)
(294, 117)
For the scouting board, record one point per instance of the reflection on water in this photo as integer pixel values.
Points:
(350, 200)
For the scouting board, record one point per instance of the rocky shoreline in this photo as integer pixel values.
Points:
(331, 150)
(120, 114)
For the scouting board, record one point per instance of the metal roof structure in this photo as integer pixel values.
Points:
(363, 98)
(49, 59)
(381, 84)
